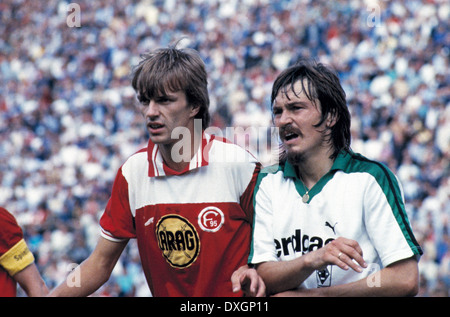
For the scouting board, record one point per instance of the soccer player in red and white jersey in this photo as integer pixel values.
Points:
(186, 197)
(17, 261)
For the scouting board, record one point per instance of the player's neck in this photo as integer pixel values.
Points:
(178, 155)
(311, 169)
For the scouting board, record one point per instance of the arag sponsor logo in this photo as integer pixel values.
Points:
(178, 241)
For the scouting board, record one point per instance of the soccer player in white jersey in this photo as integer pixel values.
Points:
(328, 221)
(187, 200)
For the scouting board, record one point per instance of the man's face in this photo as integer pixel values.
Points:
(165, 113)
(295, 116)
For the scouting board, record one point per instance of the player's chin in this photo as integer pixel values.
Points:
(294, 155)
(159, 138)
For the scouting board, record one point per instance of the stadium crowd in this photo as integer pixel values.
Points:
(68, 119)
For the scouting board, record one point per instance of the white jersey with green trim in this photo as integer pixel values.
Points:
(357, 199)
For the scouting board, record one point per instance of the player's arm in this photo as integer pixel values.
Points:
(285, 275)
(31, 281)
(94, 271)
(279, 276)
(398, 279)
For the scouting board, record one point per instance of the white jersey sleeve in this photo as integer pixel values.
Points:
(386, 222)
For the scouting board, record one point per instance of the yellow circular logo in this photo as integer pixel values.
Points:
(178, 240)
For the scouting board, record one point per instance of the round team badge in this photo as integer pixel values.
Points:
(211, 219)
(178, 241)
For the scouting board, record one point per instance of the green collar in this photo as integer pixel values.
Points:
(340, 163)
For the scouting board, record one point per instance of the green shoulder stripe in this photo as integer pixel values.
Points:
(391, 189)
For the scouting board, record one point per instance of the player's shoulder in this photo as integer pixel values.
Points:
(7, 217)
(272, 169)
(358, 163)
(270, 173)
(375, 171)
(138, 155)
(137, 160)
(221, 150)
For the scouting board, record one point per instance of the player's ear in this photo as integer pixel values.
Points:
(331, 120)
(194, 111)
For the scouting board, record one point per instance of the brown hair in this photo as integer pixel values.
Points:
(175, 70)
(322, 84)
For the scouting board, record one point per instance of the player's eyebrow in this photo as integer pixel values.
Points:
(291, 104)
(296, 104)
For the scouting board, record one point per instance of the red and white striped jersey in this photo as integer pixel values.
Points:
(193, 228)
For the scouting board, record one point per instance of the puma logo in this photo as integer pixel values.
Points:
(327, 224)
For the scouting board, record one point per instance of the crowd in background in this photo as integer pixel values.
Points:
(68, 117)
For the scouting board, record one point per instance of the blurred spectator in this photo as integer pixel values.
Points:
(67, 119)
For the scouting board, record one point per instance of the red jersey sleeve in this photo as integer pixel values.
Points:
(10, 232)
(14, 252)
(246, 200)
(117, 221)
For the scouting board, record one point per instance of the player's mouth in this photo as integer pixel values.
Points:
(155, 127)
(290, 136)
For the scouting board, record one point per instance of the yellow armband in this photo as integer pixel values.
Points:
(17, 258)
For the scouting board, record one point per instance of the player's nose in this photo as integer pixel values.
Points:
(152, 110)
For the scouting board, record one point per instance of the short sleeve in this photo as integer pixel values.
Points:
(10, 232)
(246, 200)
(117, 221)
(14, 252)
(385, 216)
